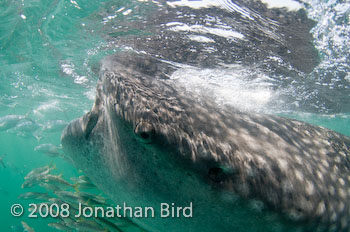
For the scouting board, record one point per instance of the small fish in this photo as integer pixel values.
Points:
(73, 205)
(71, 217)
(25, 128)
(85, 185)
(41, 171)
(125, 224)
(84, 178)
(15, 169)
(55, 126)
(48, 149)
(50, 186)
(92, 198)
(86, 226)
(2, 160)
(37, 176)
(67, 158)
(58, 180)
(68, 196)
(57, 201)
(34, 196)
(31, 182)
(60, 226)
(10, 121)
(83, 182)
(107, 224)
(26, 227)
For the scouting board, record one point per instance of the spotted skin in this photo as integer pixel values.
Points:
(145, 142)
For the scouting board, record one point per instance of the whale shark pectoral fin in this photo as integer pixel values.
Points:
(79, 128)
(91, 119)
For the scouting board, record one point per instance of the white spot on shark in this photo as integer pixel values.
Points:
(320, 208)
(299, 175)
(309, 187)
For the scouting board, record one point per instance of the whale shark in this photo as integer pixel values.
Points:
(146, 142)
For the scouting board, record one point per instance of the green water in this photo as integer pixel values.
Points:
(36, 39)
(49, 56)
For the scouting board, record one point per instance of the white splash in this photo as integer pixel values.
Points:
(331, 36)
(68, 69)
(90, 94)
(178, 26)
(76, 5)
(120, 9)
(48, 107)
(80, 79)
(222, 4)
(290, 5)
(236, 86)
(127, 12)
(195, 4)
(347, 77)
(201, 39)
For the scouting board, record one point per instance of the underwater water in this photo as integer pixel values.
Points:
(49, 62)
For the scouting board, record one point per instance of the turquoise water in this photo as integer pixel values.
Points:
(49, 57)
(37, 38)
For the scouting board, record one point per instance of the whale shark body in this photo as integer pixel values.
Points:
(146, 142)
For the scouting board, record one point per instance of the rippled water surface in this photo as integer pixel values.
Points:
(290, 60)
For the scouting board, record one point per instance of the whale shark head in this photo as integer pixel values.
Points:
(146, 142)
(140, 144)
